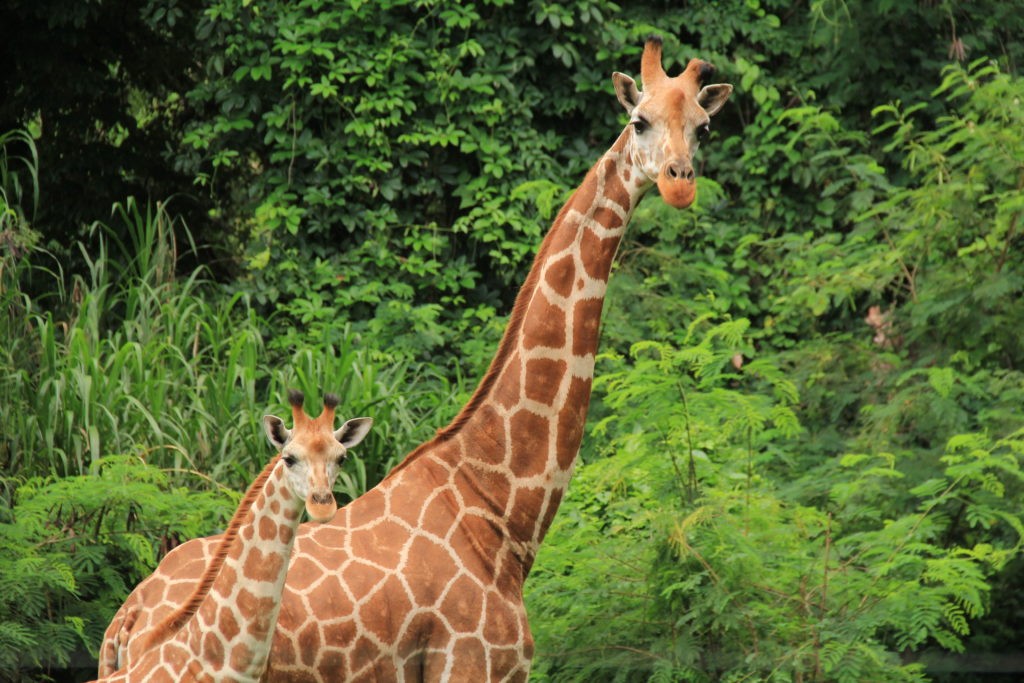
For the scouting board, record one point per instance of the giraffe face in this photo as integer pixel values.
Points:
(313, 451)
(668, 121)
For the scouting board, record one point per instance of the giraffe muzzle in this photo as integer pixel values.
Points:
(321, 506)
(677, 184)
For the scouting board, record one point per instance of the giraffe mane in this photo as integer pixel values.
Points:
(177, 619)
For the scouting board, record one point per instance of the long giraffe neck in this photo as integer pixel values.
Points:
(521, 431)
(227, 628)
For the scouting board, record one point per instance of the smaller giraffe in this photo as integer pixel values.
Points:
(224, 630)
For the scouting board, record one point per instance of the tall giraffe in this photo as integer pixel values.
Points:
(421, 577)
(223, 631)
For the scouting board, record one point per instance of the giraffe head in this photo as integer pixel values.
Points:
(313, 451)
(669, 120)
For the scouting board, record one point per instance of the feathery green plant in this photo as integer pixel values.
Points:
(692, 542)
(72, 547)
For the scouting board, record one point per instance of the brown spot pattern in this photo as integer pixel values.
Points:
(598, 269)
(545, 325)
(462, 605)
(492, 431)
(571, 420)
(260, 566)
(529, 454)
(586, 318)
(543, 378)
(560, 274)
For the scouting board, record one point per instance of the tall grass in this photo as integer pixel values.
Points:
(19, 181)
(133, 359)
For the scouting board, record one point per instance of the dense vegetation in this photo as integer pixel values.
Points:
(803, 461)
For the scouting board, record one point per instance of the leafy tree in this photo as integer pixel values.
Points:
(367, 153)
(99, 86)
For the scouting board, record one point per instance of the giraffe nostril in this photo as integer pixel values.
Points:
(322, 498)
(679, 171)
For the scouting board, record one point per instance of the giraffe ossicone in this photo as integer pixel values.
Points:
(224, 629)
(421, 578)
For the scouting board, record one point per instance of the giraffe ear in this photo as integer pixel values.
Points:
(626, 91)
(353, 431)
(277, 433)
(713, 97)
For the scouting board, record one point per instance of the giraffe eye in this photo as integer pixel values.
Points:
(703, 131)
(640, 125)
(290, 460)
(342, 459)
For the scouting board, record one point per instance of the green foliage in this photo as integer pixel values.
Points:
(72, 547)
(19, 185)
(964, 211)
(690, 541)
(144, 361)
(382, 143)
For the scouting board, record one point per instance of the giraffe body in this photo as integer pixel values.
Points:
(421, 578)
(222, 630)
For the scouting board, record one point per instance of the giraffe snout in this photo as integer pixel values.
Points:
(677, 184)
(320, 505)
(677, 170)
(322, 498)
